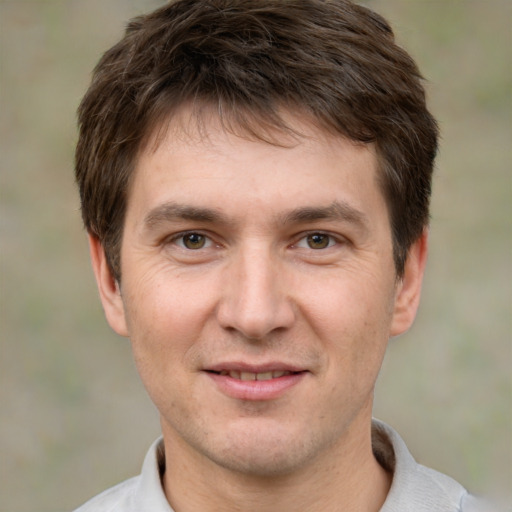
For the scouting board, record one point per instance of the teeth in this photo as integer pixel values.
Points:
(248, 376)
(264, 376)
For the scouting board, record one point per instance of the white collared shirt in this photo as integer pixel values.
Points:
(415, 488)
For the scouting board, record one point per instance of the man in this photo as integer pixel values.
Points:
(255, 179)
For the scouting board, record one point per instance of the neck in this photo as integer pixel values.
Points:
(348, 477)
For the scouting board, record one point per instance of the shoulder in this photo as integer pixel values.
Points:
(441, 487)
(416, 488)
(473, 504)
(116, 499)
(142, 493)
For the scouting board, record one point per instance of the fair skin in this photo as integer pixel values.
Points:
(259, 293)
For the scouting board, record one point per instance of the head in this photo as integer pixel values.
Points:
(252, 62)
(255, 175)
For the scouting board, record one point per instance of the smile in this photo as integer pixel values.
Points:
(248, 376)
(260, 384)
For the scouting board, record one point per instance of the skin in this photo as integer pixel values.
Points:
(241, 254)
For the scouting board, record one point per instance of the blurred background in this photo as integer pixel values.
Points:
(74, 416)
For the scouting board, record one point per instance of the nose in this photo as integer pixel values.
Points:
(256, 300)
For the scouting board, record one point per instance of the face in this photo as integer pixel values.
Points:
(259, 293)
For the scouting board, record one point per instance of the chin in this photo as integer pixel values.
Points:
(260, 462)
(261, 453)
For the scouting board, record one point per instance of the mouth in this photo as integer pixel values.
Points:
(262, 383)
(248, 376)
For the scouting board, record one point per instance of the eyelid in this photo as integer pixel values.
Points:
(336, 239)
(174, 238)
(210, 241)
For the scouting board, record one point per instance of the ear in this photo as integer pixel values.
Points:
(408, 291)
(108, 287)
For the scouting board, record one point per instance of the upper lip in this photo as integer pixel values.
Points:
(240, 366)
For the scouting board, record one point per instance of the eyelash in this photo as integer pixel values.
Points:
(179, 240)
(331, 240)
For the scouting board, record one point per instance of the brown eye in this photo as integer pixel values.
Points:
(194, 241)
(318, 241)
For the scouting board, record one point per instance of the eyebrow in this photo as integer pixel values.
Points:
(336, 211)
(168, 212)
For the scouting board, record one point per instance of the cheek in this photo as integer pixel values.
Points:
(166, 301)
(350, 300)
(353, 316)
(165, 315)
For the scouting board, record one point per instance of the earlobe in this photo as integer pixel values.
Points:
(408, 291)
(108, 288)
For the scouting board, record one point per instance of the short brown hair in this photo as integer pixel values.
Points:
(332, 59)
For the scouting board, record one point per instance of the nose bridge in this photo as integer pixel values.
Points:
(255, 300)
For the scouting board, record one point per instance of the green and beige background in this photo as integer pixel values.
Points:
(74, 417)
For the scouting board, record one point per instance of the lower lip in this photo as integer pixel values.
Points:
(256, 389)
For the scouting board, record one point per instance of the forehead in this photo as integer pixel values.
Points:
(201, 123)
(206, 157)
